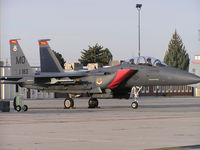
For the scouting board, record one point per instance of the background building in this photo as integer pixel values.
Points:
(94, 66)
(182, 90)
(73, 66)
(1, 74)
(195, 68)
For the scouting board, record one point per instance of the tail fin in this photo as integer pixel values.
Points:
(48, 61)
(19, 63)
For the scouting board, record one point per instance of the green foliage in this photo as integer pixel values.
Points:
(95, 54)
(60, 58)
(176, 56)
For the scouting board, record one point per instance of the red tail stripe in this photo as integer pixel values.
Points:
(43, 43)
(120, 77)
(13, 41)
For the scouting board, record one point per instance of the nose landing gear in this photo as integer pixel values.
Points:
(134, 104)
(135, 92)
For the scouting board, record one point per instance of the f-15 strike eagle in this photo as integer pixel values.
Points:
(121, 81)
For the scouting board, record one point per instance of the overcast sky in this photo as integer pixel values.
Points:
(72, 25)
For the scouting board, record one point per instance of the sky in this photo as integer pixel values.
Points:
(73, 25)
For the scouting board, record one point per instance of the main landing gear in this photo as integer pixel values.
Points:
(69, 103)
(135, 92)
(93, 103)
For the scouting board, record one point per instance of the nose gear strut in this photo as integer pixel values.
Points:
(135, 92)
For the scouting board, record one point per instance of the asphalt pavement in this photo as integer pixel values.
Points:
(159, 122)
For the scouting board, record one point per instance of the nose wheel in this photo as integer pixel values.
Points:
(134, 104)
(135, 92)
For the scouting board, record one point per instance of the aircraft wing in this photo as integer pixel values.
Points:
(60, 75)
(65, 77)
(59, 78)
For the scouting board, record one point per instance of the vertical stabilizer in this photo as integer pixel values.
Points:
(48, 61)
(19, 63)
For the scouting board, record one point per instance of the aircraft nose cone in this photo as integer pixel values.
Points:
(194, 78)
(189, 78)
(180, 77)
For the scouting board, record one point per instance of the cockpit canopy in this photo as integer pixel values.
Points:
(145, 60)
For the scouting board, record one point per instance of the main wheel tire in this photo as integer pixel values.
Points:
(68, 103)
(96, 102)
(93, 103)
(18, 108)
(25, 108)
(14, 103)
(134, 105)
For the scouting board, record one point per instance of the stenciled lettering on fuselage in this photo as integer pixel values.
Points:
(20, 60)
(23, 71)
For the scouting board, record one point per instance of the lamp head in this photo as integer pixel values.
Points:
(138, 6)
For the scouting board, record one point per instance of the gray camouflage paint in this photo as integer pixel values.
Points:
(52, 78)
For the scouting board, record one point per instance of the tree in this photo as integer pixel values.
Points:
(60, 58)
(95, 54)
(176, 55)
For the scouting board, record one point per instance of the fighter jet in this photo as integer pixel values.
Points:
(122, 81)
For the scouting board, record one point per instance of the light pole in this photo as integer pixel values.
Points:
(138, 6)
(0, 30)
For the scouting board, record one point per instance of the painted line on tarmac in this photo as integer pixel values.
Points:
(190, 147)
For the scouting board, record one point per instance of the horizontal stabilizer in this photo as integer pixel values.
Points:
(11, 78)
(10, 82)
